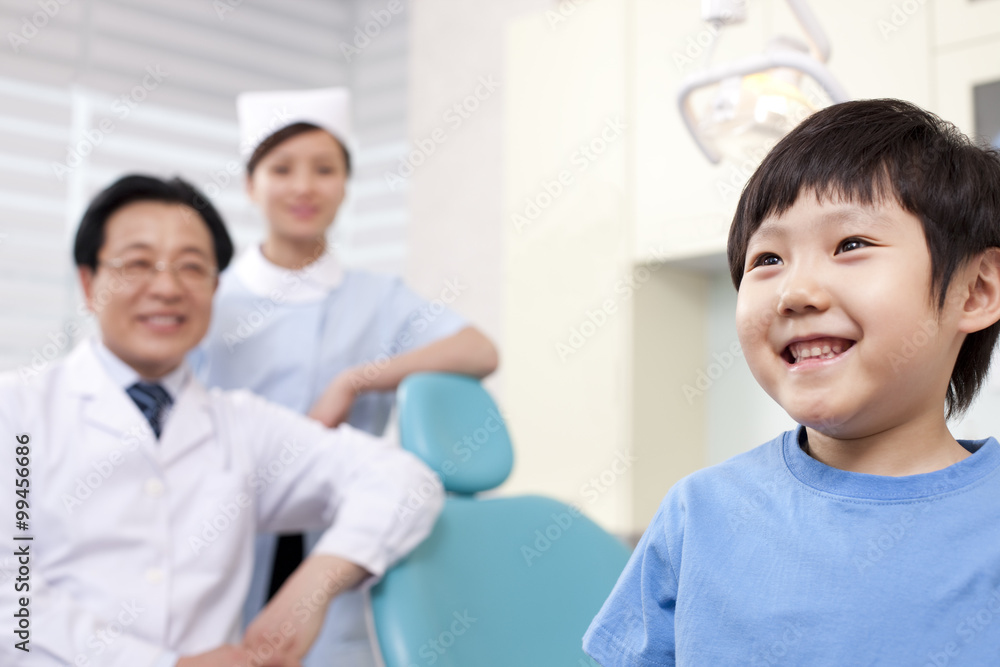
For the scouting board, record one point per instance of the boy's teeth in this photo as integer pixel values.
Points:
(814, 350)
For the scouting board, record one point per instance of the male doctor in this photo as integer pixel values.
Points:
(145, 490)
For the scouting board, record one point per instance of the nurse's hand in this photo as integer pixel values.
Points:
(333, 407)
(287, 627)
(232, 656)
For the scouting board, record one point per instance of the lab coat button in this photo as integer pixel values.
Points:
(154, 575)
(154, 488)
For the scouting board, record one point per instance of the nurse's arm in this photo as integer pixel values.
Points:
(467, 352)
(291, 621)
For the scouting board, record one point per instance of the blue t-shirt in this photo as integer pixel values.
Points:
(773, 558)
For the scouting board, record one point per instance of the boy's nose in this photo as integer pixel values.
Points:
(802, 292)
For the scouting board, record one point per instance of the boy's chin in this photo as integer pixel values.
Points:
(830, 424)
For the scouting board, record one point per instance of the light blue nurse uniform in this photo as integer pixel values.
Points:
(285, 335)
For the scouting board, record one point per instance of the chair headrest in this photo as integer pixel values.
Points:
(454, 426)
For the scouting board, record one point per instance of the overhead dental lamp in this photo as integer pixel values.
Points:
(755, 101)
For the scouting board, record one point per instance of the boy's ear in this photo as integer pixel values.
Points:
(982, 305)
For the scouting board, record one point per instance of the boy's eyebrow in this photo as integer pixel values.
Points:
(770, 229)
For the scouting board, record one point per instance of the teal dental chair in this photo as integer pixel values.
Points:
(500, 582)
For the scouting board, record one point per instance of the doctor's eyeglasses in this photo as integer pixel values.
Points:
(139, 272)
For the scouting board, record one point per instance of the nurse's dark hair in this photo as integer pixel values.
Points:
(283, 135)
(872, 151)
(136, 188)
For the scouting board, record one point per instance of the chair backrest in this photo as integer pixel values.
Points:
(500, 581)
(452, 423)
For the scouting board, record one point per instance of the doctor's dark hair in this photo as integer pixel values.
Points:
(873, 151)
(136, 188)
(283, 135)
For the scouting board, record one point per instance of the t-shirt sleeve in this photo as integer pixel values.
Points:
(414, 322)
(636, 624)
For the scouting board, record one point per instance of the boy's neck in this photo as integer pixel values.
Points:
(913, 448)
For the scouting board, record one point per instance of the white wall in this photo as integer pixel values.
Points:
(456, 192)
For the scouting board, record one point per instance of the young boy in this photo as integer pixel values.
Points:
(866, 253)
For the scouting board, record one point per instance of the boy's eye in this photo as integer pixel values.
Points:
(280, 169)
(851, 244)
(766, 259)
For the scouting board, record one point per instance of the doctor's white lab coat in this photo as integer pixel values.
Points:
(141, 548)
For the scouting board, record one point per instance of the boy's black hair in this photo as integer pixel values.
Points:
(135, 188)
(283, 135)
(870, 151)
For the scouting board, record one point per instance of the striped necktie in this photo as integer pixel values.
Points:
(153, 401)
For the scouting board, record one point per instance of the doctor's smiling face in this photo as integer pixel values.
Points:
(153, 285)
(299, 184)
(831, 293)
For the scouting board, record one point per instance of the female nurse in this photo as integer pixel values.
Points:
(291, 324)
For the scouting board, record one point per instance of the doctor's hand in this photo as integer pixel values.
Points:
(334, 406)
(232, 656)
(287, 627)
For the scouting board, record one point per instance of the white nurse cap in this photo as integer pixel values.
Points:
(262, 113)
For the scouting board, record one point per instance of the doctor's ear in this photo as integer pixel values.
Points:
(982, 305)
(87, 282)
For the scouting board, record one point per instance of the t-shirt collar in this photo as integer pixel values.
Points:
(984, 460)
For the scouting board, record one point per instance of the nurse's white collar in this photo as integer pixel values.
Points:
(309, 284)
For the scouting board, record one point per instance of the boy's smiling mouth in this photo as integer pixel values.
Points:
(818, 348)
